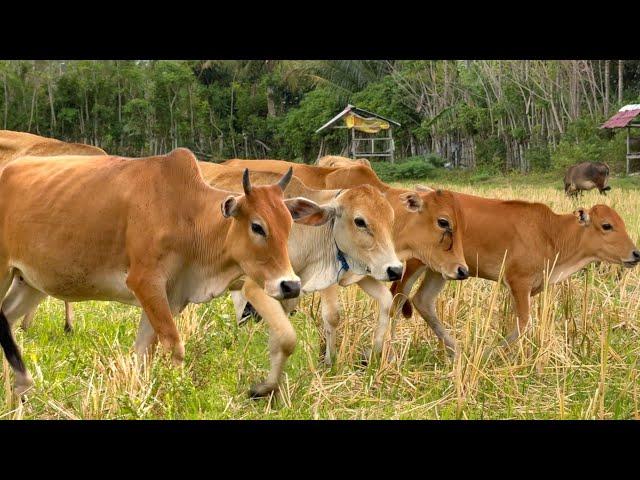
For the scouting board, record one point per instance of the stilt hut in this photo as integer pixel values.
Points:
(368, 134)
(628, 117)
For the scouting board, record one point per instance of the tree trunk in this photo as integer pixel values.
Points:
(620, 80)
(607, 68)
(6, 101)
(53, 112)
(33, 106)
(271, 104)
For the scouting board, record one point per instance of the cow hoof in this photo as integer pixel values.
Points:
(261, 389)
(68, 329)
(22, 386)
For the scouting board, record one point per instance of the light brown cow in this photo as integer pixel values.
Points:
(147, 232)
(431, 236)
(18, 144)
(340, 162)
(533, 238)
(356, 241)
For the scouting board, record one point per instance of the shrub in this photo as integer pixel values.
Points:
(413, 168)
(539, 158)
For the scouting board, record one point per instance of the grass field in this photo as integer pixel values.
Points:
(581, 359)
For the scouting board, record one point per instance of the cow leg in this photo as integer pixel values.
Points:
(383, 296)
(146, 338)
(521, 297)
(425, 302)
(152, 295)
(27, 320)
(239, 305)
(21, 300)
(330, 302)
(282, 336)
(68, 317)
(23, 380)
(402, 289)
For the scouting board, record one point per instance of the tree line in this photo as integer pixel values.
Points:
(501, 115)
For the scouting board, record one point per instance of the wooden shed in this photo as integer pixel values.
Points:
(627, 117)
(371, 134)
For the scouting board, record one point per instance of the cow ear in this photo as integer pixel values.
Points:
(583, 216)
(306, 212)
(412, 201)
(230, 206)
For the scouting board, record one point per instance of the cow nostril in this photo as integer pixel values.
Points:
(463, 273)
(394, 273)
(290, 289)
(636, 254)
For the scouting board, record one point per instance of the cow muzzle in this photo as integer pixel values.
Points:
(635, 259)
(290, 289)
(283, 288)
(394, 273)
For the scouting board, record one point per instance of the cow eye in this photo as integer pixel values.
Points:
(443, 223)
(607, 226)
(257, 229)
(360, 223)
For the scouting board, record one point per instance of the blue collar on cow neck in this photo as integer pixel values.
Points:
(342, 260)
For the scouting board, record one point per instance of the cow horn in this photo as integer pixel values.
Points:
(246, 183)
(284, 181)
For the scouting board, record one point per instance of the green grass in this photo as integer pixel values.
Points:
(580, 359)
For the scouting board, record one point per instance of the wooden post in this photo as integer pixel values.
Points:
(392, 146)
(353, 143)
(628, 147)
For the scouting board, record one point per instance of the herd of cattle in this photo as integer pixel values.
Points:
(165, 231)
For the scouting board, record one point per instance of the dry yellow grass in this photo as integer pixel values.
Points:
(579, 359)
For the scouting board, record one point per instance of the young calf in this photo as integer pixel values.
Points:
(156, 236)
(533, 238)
(356, 238)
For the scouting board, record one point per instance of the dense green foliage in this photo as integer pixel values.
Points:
(493, 115)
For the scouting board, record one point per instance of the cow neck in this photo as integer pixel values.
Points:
(400, 224)
(567, 237)
(212, 240)
(339, 254)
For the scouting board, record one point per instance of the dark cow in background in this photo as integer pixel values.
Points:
(586, 176)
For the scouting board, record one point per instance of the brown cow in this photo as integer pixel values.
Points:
(586, 176)
(18, 144)
(336, 161)
(533, 237)
(147, 232)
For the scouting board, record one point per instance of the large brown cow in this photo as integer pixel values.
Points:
(18, 144)
(586, 176)
(356, 241)
(147, 232)
(530, 238)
